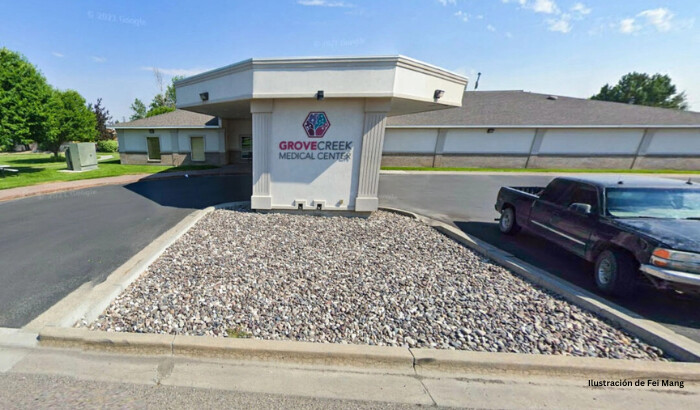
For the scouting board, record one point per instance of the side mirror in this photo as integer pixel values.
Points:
(584, 209)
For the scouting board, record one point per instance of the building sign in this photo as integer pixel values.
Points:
(316, 125)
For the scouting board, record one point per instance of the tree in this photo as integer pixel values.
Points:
(170, 95)
(158, 101)
(24, 95)
(139, 109)
(164, 101)
(159, 110)
(102, 117)
(69, 120)
(642, 89)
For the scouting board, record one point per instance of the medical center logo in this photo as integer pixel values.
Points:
(316, 124)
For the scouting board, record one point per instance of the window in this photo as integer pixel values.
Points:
(584, 194)
(246, 146)
(671, 203)
(153, 144)
(557, 191)
(197, 145)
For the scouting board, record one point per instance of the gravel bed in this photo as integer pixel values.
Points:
(382, 280)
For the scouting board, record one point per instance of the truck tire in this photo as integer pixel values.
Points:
(507, 223)
(615, 272)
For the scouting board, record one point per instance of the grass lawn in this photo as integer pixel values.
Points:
(612, 171)
(41, 168)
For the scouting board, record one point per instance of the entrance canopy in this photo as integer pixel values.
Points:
(409, 84)
(318, 123)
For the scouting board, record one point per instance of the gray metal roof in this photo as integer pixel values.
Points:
(174, 119)
(519, 108)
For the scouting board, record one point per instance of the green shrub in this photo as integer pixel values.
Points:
(107, 146)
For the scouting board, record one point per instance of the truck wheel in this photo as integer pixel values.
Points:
(615, 272)
(507, 223)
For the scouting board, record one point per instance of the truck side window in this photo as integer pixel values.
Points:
(584, 195)
(557, 191)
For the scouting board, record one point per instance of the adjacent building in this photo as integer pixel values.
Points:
(494, 129)
(516, 129)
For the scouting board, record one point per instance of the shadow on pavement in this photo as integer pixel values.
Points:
(661, 306)
(195, 192)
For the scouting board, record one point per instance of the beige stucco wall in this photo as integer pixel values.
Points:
(610, 148)
(174, 146)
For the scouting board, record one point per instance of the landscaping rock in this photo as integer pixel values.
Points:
(382, 280)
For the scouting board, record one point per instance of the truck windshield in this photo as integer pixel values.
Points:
(653, 203)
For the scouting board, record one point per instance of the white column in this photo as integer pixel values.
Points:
(370, 162)
(262, 136)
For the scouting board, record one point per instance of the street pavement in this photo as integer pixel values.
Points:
(467, 200)
(52, 244)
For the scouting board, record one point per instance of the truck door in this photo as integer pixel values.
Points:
(549, 203)
(574, 225)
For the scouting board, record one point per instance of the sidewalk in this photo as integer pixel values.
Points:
(53, 187)
(123, 378)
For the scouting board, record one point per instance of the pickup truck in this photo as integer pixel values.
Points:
(630, 227)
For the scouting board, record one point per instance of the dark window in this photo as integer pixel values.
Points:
(246, 146)
(584, 194)
(557, 191)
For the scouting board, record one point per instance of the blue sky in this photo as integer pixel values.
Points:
(567, 47)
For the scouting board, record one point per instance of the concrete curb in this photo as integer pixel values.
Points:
(421, 361)
(229, 348)
(676, 345)
(89, 301)
(432, 361)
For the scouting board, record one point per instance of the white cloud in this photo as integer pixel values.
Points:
(462, 16)
(324, 3)
(543, 6)
(98, 59)
(561, 24)
(538, 6)
(629, 26)
(509, 34)
(581, 9)
(490, 28)
(183, 72)
(446, 2)
(659, 18)
(57, 54)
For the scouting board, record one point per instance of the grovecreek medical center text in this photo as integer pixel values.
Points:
(636, 383)
(333, 150)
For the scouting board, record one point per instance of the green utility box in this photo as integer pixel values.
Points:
(81, 156)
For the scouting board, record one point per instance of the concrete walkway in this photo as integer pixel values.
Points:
(53, 187)
(31, 376)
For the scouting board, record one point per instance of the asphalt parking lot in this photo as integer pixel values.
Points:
(52, 244)
(466, 200)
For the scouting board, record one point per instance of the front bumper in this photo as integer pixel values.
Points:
(674, 276)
